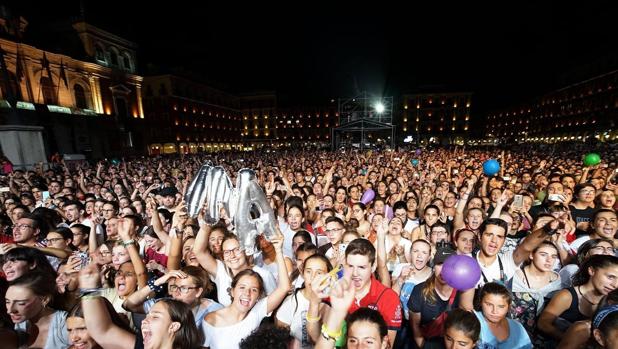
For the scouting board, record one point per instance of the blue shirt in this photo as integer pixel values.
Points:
(518, 337)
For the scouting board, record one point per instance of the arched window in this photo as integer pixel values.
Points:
(113, 57)
(99, 54)
(127, 62)
(49, 92)
(80, 97)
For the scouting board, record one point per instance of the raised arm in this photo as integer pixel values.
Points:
(341, 297)
(544, 227)
(126, 230)
(200, 248)
(382, 268)
(98, 320)
(283, 285)
(157, 226)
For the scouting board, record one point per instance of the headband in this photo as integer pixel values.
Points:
(602, 314)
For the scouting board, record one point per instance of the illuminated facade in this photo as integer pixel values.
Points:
(441, 117)
(189, 117)
(576, 112)
(90, 105)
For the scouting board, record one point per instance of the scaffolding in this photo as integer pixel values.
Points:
(364, 121)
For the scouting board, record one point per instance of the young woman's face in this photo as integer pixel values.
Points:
(246, 293)
(494, 307)
(366, 335)
(340, 196)
(604, 280)
(156, 327)
(421, 252)
(104, 255)
(457, 339)
(295, 218)
(22, 304)
(125, 280)
(187, 252)
(602, 247)
(312, 268)
(586, 194)
(438, 234)
(474, 218)
(431, 216)
(120, 255)
(152, 243)
(184, 290)
(544, 258)
(14, 268)
(475, 203)
(233, 254)
(214, 241)
(465, 242)
(78, 334)
(297, 241)
(358, 213)
(608, 199)
(378, 207)
(395, 226)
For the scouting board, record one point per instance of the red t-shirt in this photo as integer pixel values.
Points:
(157, 257)
(384, 300)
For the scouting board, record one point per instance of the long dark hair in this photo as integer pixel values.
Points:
(595, 262)
(465, 322)
(188, 336)
(371, 316)
(329, 267)
(33, 257)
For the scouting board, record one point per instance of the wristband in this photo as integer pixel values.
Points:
(128, 242)
(89, 291)
(153, 287)
(312, 319)
(329, 334)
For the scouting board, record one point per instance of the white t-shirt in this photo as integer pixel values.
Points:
(578, 242)
(229, 337)
(410, 225)
(223, 281)
(492, 272)
(293, 312)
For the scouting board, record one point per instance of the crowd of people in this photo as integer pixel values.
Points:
(106, 254)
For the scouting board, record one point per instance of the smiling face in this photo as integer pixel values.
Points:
(294, 218)
(246, 293)
(158, 329)
(14, 268)
(233, 255)
(605, 225)
(78, 334)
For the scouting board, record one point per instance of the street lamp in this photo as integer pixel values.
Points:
(379, 108)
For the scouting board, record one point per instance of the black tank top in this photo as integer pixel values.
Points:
(573, 314)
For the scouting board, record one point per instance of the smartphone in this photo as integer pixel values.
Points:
(555, 197)
(455, 171)
(5, 189)
(506, 178)
(342, 248)
(518, 201)
(45, 195)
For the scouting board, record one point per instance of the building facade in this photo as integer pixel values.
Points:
(436, 117)
(89, 105)
(580, 111)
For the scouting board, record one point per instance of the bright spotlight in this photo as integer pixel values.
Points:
(379, 108)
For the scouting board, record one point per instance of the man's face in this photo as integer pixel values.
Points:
(555, 188)
(361, 270)
(111, 228)
(492, 239)
(334, 232)
(78, 237)
(168, 201)
(605, 225)
(568, 182)
(24, 231)
(56, 240)
(72, 213)
(108, 211)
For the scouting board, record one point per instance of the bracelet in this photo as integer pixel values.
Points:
(90, 297)
(153, 287)
(330, 335)
(128, 242)
(311, 318)
(88, 291)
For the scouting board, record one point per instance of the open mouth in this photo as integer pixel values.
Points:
(245, 302)
(80, 345)
(122, 287)
(146, 335)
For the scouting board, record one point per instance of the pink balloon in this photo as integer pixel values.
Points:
(368, 196)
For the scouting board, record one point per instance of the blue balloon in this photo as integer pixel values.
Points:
(414, 162)
(491, 167)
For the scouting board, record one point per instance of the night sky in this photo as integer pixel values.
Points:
(504, 53)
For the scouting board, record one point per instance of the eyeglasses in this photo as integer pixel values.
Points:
(22, 226)
(237, 251)
(52, 240)
(182, 289)
(329, 231)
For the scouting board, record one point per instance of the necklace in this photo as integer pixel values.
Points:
(584, 297)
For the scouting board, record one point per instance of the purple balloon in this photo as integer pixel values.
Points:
(417, 152)
(461, 272)
(368, 196)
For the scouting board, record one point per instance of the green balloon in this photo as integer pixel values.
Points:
(592, 159)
